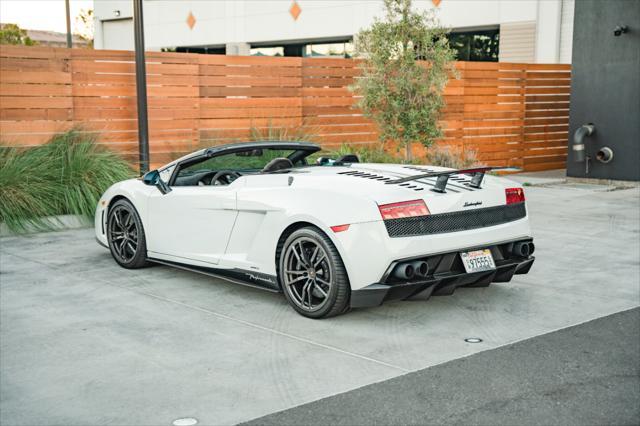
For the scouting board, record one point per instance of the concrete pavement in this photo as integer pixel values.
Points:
(583, 375)
(86, 342)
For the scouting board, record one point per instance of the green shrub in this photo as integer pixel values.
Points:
(65, 176)
(25, 196)
(451, 157)
(272, 133)
(364, 153)
(436, 156)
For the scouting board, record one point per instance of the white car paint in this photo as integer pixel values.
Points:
(237, 227)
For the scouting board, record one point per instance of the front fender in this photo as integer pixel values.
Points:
(133, 190)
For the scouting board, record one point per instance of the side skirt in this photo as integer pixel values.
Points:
(236, 276)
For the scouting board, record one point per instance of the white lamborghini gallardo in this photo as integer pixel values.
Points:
(332, 235)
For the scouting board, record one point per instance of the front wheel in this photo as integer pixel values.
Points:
(125, 235)
(313, 277)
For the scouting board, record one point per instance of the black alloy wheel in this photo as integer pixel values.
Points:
(125, 235)
(312, 274)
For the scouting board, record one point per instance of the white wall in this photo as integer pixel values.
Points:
(118, 34)
(517, 42)
(548, 31)
(566, 31)
(221, 22)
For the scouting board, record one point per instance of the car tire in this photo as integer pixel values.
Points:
(125, 236)
(312, 274)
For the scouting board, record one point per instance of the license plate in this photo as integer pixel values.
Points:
(478, 261)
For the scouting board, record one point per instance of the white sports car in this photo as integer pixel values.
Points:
(333, 235)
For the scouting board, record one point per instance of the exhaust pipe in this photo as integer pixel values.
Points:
(404, 271)
(420, 268)
(522, 248)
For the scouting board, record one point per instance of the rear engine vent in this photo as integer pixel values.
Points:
(373, 176)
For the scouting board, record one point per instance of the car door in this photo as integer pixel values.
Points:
(191, 223)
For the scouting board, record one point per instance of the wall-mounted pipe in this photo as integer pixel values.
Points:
(604, 155)
(578, 141)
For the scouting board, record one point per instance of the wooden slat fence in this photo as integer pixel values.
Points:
(512, 114)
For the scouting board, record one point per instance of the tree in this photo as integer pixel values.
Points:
(84, 25)
(406, 64)
(13, 34)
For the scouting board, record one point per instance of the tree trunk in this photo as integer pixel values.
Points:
(408, 155)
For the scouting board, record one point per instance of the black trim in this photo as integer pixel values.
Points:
(463, 220)
(447, 275)
(239, 147)
(453, 187)
(471, 171)
(302, 151)
(237, 276)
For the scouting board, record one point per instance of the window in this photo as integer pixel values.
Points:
(251, 161)
(267, 51)
(481, 45)
(332, 50)
(335, 49)
(165, 174)
(201, 50)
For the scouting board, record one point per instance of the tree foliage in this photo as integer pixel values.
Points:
(13, 34)
(85, 26)
(407, 60)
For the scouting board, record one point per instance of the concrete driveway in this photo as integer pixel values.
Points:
(84, 341)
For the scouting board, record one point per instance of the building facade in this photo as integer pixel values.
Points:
(484, 30)
(605, 91)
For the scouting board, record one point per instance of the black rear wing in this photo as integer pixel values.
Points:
(442, 178)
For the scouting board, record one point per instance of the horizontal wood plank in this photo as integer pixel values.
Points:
(508, 113)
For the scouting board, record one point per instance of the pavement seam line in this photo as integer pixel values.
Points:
(445, 362)
(247, 323)
(270, 330)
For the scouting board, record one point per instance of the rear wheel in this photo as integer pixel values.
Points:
(312, 274)
(125, 235)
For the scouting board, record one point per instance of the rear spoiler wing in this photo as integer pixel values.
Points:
(443, 177)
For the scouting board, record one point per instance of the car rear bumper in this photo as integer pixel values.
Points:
(448, 275)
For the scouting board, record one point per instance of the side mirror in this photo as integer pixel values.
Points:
(153, 178)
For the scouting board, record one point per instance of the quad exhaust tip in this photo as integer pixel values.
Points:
(409, 270)
(523, 248)
(404, 271)
(420, 268)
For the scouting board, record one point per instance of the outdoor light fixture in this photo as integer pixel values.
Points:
(116, 13)
(620, 29)
(473, 340)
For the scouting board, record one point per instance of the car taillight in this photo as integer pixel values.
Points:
(404, 209)
(514, 195)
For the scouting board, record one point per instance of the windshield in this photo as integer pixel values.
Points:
(245, 161)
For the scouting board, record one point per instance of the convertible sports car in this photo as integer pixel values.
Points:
(332, 235)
